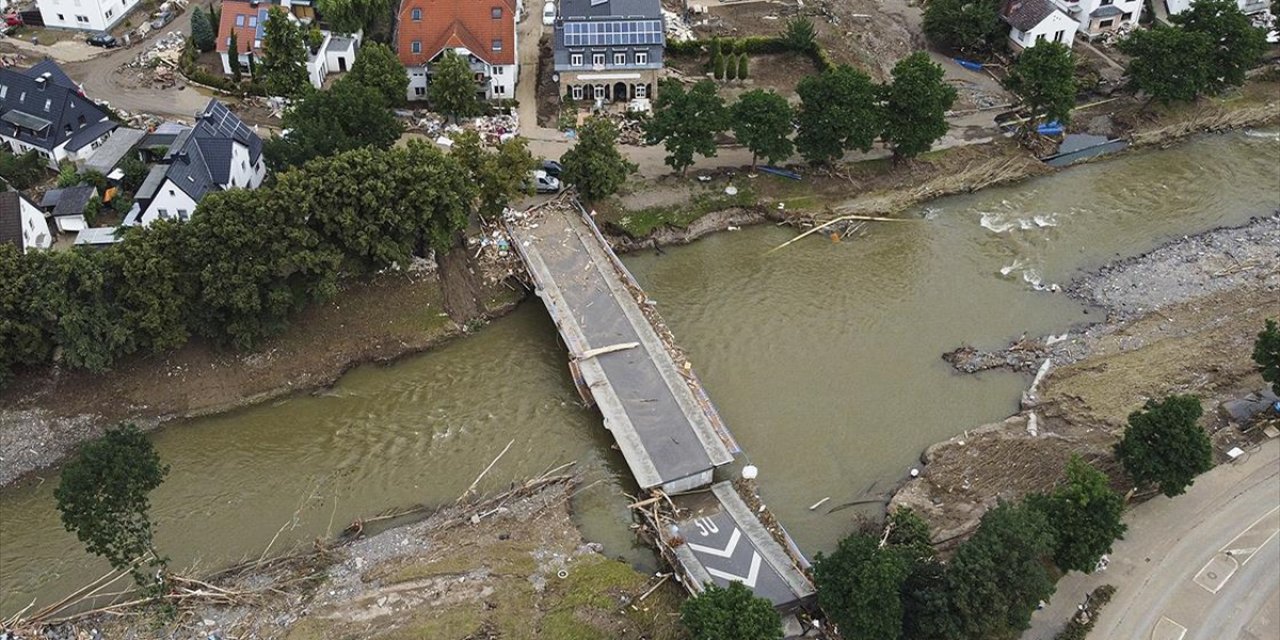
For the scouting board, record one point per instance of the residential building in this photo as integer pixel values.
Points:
(1247, 7)
(43, 109)
(609, 50)
(22, 224)
(219, 152)
(1035, 21)
(1096, 17)
(90, 15)
(67, 206)
(248, 19)
(483, 32)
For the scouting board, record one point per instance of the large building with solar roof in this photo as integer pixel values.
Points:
(609, 50)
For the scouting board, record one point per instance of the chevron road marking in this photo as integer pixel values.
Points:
(749, 580)
(720, 553)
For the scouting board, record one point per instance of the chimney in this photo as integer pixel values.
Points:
(41, 82)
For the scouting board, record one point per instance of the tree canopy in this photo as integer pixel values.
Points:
(453, 89)
(283, 67)
(1164, 445)
(348, 116)
(970, 26)
(915, 106)
(762, 123)
(499, 175)
(1266, 354)
(859, 585)
(1085, 514)
(1236, 44)
(732, 613)
(202, 31)
(103, 498)
(838, 113)
(1044, 76)
(378, 67)
(799, 34)
(1168, 63)
(594, 165)
(350, 16)
(22, 171)
(686, 122)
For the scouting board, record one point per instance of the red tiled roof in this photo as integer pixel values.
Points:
(244, 34)
(456, 23)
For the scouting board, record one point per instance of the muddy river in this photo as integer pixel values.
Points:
(822, 357)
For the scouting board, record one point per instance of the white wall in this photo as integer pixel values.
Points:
(171, 200)
(89, 15)
(502, 82)
(1057, 27)
(244, 173)
(1091, 27)
(35, 229)
(417, 89)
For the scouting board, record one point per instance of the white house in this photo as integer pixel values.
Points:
(1247, 7)
(1096, 17)
(483, 32)
(1035, 21)
(247, 20)
(42, 109)
(90, 15)
(220, 152)
(22, 224)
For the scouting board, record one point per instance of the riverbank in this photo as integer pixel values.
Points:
(512, 566)
(1179, 319)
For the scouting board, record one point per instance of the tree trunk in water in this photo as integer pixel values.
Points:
(460, 284)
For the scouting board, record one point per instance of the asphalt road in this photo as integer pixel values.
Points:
(1202, 566)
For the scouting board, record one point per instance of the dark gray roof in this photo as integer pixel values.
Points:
(339, 43)
(217, 121)
(113, 150)
(72, 200)
(155, 178)
(1106, 11)
(11, 219)
(189, 170)
(51, 98)
(90, 133)
(611, 9)
(1024, 15)
(199, 161)
(154, 140)
(51, 198)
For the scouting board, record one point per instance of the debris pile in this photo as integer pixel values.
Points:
(492, 129)
(677, 29)
(165, 50)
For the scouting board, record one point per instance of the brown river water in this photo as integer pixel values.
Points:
(823, 359)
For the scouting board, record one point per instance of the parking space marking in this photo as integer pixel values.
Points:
(1167, 629)
(1215, 573)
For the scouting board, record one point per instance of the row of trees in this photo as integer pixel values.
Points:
(247, 260)
(841, 110)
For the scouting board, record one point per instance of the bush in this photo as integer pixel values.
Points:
(799, 34)
(717, 66)
(730, 614)
(731, 67)
(742, 67)
(24, 171)
(1077, 630)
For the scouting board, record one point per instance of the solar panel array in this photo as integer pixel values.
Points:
(617, 33)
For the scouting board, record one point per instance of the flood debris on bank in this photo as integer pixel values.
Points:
(1180, 319)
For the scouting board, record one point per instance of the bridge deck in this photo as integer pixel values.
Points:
(666, 436)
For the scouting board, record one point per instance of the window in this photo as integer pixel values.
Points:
(599, 92)
(47, 103)
(164, 214)
(416, 15)
(1058, 37)
(1107, 2)
(416, 46)
(82, 19)
(183, 214)
(419, 91)
(253, 21)
(641, 91)
(499, 89)
(619, 58)
(496, 45)
(497, 71)
(1106, 23)
(108, 13)
(642, 57)
(239, 21)
(1128, 15)
(257, 44)
(171, 192)
(1039, 37)
(61, 17)
(575, 59)
(496, 13)
(80, 120)
(576, 92)
(4, 90)
(597, 59)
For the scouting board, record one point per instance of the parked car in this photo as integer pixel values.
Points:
(163, 18)
(543, 183)
(103, 39)
(552, 168)
(549, 13)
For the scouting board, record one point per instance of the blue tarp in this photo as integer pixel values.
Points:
(1050, 128)
(780, 172)
(969, 64)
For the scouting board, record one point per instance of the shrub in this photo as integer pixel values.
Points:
(730, 614)
(742, 67)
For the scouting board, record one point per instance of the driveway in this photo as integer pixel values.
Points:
(1197, 567)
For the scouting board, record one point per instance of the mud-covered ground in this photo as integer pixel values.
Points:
(1181, 319)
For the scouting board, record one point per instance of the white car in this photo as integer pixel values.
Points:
(549, 13)
(544, 183)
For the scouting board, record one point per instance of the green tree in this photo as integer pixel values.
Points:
(147, 267)
(135, 172)
(350, 16)
(717, 64)
(348, 116)
(732, 613)
(972, 26)
(1085, 514)
(283, 68)
(742, 67)
(927, 613)
(499, 175)
(202, 31)
(1169, 64)
(233, 57)
(1237, 44)
(378, 67)
(453, 89)
(998, 576)
(915, 106)
(26, 333)
(22, 171)
(731, 68)
(68, 176)
(594, 164)
(762, 123)
(838, 113)
(859, 586)
(1164, 446)
(799, 34)
(103, 499)
(686, 122)
(1266, 353)
(1044, 76)
(86, 310)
